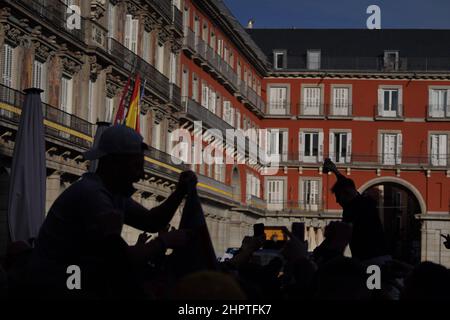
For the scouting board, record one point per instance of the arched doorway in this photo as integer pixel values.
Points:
(397, 206)
(236, 184)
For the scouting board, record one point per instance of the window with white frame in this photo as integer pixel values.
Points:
(275, 194)
(219, 172)
(439, 104)
(341, 101)
(40, 78)
(391, 60)
(205, 95)
(131, 33)
(143, 127)
(391, 148)
(310, 194)
(278, 100)
(147, 46)
(279, 59)
(389, 102)
(185, 83)
(439, 149)
(311, 101)
(195, 88)
(7, 65)
(277, 143)
(66, 94)
(91, 104)
(160, 57)
(313, 60)
(156, 135)
(311, 146)
(253, 186)
(220, 47)
(111, 20)
(109, 109)
(173, 68)
(228, 112)
(186, 18)
(212, 103)
(340, 146)
(238, 119)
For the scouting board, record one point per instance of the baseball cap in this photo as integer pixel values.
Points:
(117, 139)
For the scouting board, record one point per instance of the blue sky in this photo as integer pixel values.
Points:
(420, 14)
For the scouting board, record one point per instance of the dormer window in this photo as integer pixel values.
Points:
(279, 59)
(391, 60)
(313, 60)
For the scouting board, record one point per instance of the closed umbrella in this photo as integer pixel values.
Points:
(26, 205)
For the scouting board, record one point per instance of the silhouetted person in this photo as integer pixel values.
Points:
(84, 224)
(367, 241)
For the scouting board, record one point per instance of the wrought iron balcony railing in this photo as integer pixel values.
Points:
(189, 41)
(177, 20)
(163, 7)
(132, 63)
(56, 116)
(439, 111)
(54, 12)
(311, 109)
(394, 111)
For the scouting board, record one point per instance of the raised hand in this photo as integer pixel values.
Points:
(447, 240)
(187, 181)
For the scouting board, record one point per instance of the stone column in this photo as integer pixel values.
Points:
(53, 187)
(54, 80)
(25, 63)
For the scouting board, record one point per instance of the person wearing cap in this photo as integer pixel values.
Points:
(84, 224)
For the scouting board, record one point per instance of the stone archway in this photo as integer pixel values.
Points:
(236, 183)
(398, 203)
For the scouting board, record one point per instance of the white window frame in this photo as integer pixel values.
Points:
(439, 148)
(278, 99)
(341, 102)
(276, 142)
(131, 33)
(313, 59)
(391, 113)
(40, 78)
(109, 110)
(393, 157)
(440, 108)
(312, 100)
(112, 20)
(276, 191)
(311, 158)
(340, 158)
(310, 193)
(276, 54)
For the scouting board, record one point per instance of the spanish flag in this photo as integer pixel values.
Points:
(134, 111)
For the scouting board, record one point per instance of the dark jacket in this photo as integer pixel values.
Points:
(368, 236)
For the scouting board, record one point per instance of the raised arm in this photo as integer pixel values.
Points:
(157, 218)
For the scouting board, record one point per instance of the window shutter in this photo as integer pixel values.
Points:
(331, 154)
(447, 109)
(301, 138)
(320, 155)
(431, 102)
(399, 149)
(285, 146)
(348, 157)
(7, 65)
(400, 103)
(127, 39)
(134, 35)
(380, 102)
(443, 143)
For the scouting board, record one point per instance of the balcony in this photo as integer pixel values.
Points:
(383, 112)
(313, 207)
(311, 110)
(53, 12)
(200, 48)
(175, 97)
(131, 62)
(189, 43)
(60, 125)
(196, 112)
(163, 7)
(438, 112)
(177, 20)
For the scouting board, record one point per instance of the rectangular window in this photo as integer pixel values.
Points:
(227, 113)
(439, 145)
(277, 143)
(109, 110)
(173, 68)
(212, 103)
(7, 66)
(391, 61)
(40, 78)
(389, 102)
(111, 20)
(205, 95)
(160, 58)
(278, 100)
(313, 60)
(310, 195)
(341, 101)
(312, 104)
(195, 88)
(65, 98)
(279, 60)
(311, 147)
(156, 135)
(340, 147)
(131, 33)
(91, 104)
(147, 47)
(439, 103)
(185, 84)
(275, 194)
(392, 148)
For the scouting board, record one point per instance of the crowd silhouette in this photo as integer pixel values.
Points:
(83, 228)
